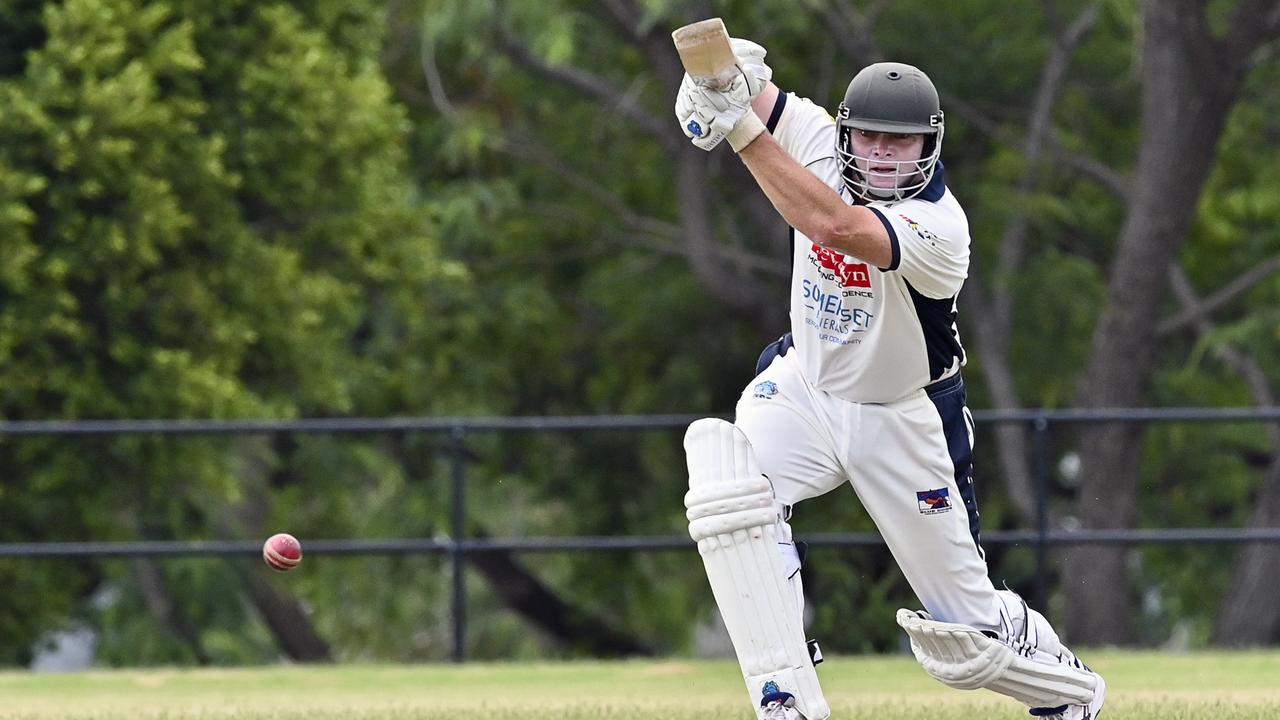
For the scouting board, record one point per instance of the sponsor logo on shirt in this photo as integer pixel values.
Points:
(829, 314)
(850, 273)
(933, 502)
(924, 233)
(765, 390)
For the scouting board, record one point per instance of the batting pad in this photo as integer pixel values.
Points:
(732, 516)
(963, 657)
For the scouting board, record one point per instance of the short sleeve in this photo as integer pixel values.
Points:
(807, 133)
(930, 246)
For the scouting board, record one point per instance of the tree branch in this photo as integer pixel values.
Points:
(598, 87)
(528, 148)
(1253, 23)
(1087, 166)
(1090, 167)
(1012, 448)
(1194, 312)
(775, 265)
(624, 16)
(853, 29)
(1248, 368)
(694, 207)
(664, 241)
(1013, 242)
(1049, 9)
(435, 85)
(993, 290)
(645, 231)
(742, 258)
(696, 229)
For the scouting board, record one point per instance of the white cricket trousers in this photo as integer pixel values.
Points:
(909, 462)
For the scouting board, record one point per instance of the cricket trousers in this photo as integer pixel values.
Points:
(908, 461)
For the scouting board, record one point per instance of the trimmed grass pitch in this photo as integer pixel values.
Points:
(1141, 686)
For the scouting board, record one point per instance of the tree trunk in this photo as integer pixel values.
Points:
(995, 298)
(543, 608)
(1189, 80)
(1249, 614)
(167, 608)
(284, 616)
(522, 592)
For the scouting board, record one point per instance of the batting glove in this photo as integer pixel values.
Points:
(751, 62)
(708, 116)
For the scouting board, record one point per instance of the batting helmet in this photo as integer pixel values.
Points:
(892, 98)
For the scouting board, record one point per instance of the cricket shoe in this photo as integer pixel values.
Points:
(1076, 712)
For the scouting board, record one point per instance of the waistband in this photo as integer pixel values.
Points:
(944, 385)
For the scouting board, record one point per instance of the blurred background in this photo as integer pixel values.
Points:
(235, 210)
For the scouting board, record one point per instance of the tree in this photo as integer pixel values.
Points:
(205, 212)
(1191, 77)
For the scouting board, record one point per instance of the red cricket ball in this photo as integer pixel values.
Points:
(282, 552)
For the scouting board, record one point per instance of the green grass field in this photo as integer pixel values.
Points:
(1141, 686)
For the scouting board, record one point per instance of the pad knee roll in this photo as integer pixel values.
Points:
(727, 492)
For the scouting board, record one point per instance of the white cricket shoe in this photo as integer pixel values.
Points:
(780, 710)
(776, 704)
(1076, 712)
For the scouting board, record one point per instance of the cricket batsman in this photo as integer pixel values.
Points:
(865, 389)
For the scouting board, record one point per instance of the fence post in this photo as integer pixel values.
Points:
(1040, 445)
(458, 525)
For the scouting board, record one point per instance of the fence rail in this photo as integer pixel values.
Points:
(580, 422)
(458, 546)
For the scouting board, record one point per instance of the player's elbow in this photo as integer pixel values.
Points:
(850, 234)
(827, 231)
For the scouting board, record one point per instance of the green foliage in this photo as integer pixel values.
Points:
(206, 213)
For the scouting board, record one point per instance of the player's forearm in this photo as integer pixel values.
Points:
(764, 102)
(814, 209)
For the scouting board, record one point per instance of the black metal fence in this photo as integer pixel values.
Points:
(458, 545)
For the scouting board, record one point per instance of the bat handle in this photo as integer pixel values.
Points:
(719, 81)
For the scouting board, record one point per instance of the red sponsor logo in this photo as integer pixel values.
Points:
(849, 272)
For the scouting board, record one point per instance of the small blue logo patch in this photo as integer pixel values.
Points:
(765, 390)
(933, 502)
(771, 693)
(695, 128)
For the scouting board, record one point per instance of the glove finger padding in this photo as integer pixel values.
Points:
(684, 101)
(748, 50)
(717, 100)
(751, 62)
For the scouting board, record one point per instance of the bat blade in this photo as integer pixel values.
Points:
(705, 51)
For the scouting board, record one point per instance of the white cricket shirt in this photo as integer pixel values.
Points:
(869, 334)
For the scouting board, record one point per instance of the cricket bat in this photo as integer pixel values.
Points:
(705, 51)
